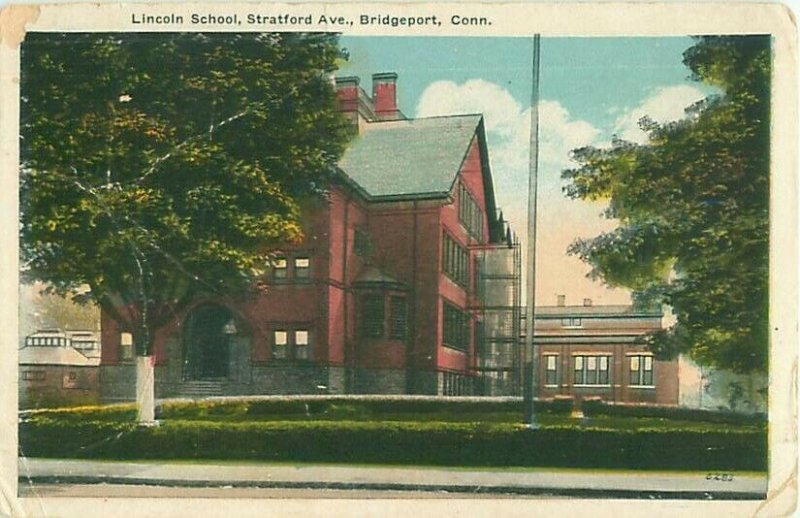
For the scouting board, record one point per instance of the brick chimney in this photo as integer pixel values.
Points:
(347, 92)
(384, 95)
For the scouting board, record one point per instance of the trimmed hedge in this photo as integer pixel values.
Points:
(596, 407)
(340, 407)
(422, 443)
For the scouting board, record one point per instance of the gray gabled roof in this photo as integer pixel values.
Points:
(409, 158)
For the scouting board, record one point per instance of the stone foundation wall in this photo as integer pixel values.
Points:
(118, 383)
(379, 381)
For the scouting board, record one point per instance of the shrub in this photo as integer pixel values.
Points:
(559, 405)
(110, 413)
(594, 407)
(423, 443)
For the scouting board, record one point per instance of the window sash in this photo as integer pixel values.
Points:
(469, 212)
(591, 369)
(399, 318)
(551, 369)
(641, 371)
(302, 344)
(373, 315)
(456, 261)
(456, 328)
(280, 268)
(302, 267)
(280, 343)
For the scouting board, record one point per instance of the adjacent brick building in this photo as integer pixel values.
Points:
(594, 351)
(407, 281)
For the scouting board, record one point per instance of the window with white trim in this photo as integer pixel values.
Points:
(641, 370)
(591, 369)
(551, 369)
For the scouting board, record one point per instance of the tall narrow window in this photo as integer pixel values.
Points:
(280, 340)
(361, 243)
(126, 344)
(551, 370)
(302, 268)
(456, 261)
(399, 318)
(302, 347)
(280, 269)
(470, 213)
(580, 373)
(456, 327)
(641, 370)
(373, 316)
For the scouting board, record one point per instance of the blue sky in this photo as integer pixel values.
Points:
(590, 89)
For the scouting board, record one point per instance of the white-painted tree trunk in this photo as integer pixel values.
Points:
(145, 390)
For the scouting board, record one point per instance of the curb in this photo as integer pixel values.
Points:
(461, 489)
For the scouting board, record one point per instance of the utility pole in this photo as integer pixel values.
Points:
(530, 363)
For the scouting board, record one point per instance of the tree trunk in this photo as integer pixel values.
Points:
(145, 390)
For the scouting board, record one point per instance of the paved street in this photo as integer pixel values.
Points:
(51, 477)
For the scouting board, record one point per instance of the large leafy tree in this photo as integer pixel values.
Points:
(158, 166)
(693, 210)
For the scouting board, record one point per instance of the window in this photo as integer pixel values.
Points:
(551, 369)
(571, 322)
(373, 316)
(280, 269)
(362, 243)
(456, 261)
(126, 344)
(591, 370)
(399, 318)
(469, 212)
(641, 370)
(302, 348)
(302, 268)
(70, 380)
(280, 343)
(456, 327)
(33, 375)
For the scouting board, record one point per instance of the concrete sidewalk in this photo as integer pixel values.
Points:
(560, 482)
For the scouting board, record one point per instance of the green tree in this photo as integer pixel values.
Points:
(693, 210)
(159, 166)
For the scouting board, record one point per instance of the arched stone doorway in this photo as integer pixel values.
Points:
(207, 337)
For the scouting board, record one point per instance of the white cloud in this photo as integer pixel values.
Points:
(508, 133)
(508, 125)
(666, 104)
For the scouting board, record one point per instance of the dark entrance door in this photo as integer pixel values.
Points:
(206, 343)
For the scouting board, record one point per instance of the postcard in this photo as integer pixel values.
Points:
(371, 258)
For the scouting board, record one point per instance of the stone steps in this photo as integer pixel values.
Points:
(202, 388)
